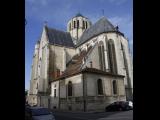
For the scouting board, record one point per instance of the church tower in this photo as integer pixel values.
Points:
(77, 25)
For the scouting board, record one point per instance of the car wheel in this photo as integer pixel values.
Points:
(120, 109)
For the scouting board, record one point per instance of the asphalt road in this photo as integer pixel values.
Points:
(124, 115)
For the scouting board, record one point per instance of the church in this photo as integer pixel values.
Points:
(83, 69)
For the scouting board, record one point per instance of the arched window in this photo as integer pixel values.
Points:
(74, 24)
(83, 24)
(86, 25)
(114, 87)
(77, 23)
(101, 55)
(112, 57)
(69, 88)
(100, 87)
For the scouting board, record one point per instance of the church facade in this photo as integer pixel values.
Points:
(83, 69)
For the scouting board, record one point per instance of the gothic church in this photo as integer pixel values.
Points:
(83, 69)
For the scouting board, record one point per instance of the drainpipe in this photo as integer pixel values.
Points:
(84, 95)
(59, 96)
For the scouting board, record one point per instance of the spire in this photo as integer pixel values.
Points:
(45, 23)
(103, 12)
(79, 14)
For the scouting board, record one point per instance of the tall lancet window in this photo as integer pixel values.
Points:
(100, 87)
(77, 23)
(86, 25)
(69, 88)
(101, 55)
(74, 24)
(83, 24)
(112, 57)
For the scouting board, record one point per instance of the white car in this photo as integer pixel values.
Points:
(38, 113)
(130, 103)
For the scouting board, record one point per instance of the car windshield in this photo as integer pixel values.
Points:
(40, 111)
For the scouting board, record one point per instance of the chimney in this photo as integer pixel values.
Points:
(58, 73)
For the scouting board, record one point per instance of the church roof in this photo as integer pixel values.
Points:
(57, 37)
(79, 15)
(75, 67)
(102, 25)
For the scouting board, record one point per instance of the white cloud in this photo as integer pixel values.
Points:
(39, 2)
(125, 24)
(117, 2)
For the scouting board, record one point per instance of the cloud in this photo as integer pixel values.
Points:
(118, 2)
(39, 2)
(125, 24)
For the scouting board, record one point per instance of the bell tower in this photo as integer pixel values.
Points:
(77, 25)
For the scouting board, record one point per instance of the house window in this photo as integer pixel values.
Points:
(69, 88)
(114, 87)
(91, 64)
(100, 88)
(55, 93)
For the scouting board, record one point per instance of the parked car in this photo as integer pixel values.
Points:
(119, 106)
(38, 113)
(130, 103)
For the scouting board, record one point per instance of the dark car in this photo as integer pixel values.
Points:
(119, 106)
(38, 113)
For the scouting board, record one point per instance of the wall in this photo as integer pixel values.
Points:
(75, 101)
(43, 63)
(121, 68)
(54, 100)
(59, 56)
(97, 102)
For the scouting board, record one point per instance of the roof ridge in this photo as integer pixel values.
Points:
(57, 29)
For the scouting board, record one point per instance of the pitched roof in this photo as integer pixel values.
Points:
(102, 25)
(74, 66)
(58, 37)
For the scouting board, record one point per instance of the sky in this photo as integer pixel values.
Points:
(58, 12)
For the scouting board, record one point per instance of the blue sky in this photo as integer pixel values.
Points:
(58, 12)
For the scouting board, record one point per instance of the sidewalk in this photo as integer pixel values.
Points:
(76, 112)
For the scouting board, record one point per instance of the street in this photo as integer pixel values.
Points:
(124, 115)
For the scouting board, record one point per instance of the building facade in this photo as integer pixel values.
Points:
(85, 68)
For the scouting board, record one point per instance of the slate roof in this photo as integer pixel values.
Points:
(79, 15)
(57, 37)
(102, 25)
(75, 67)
